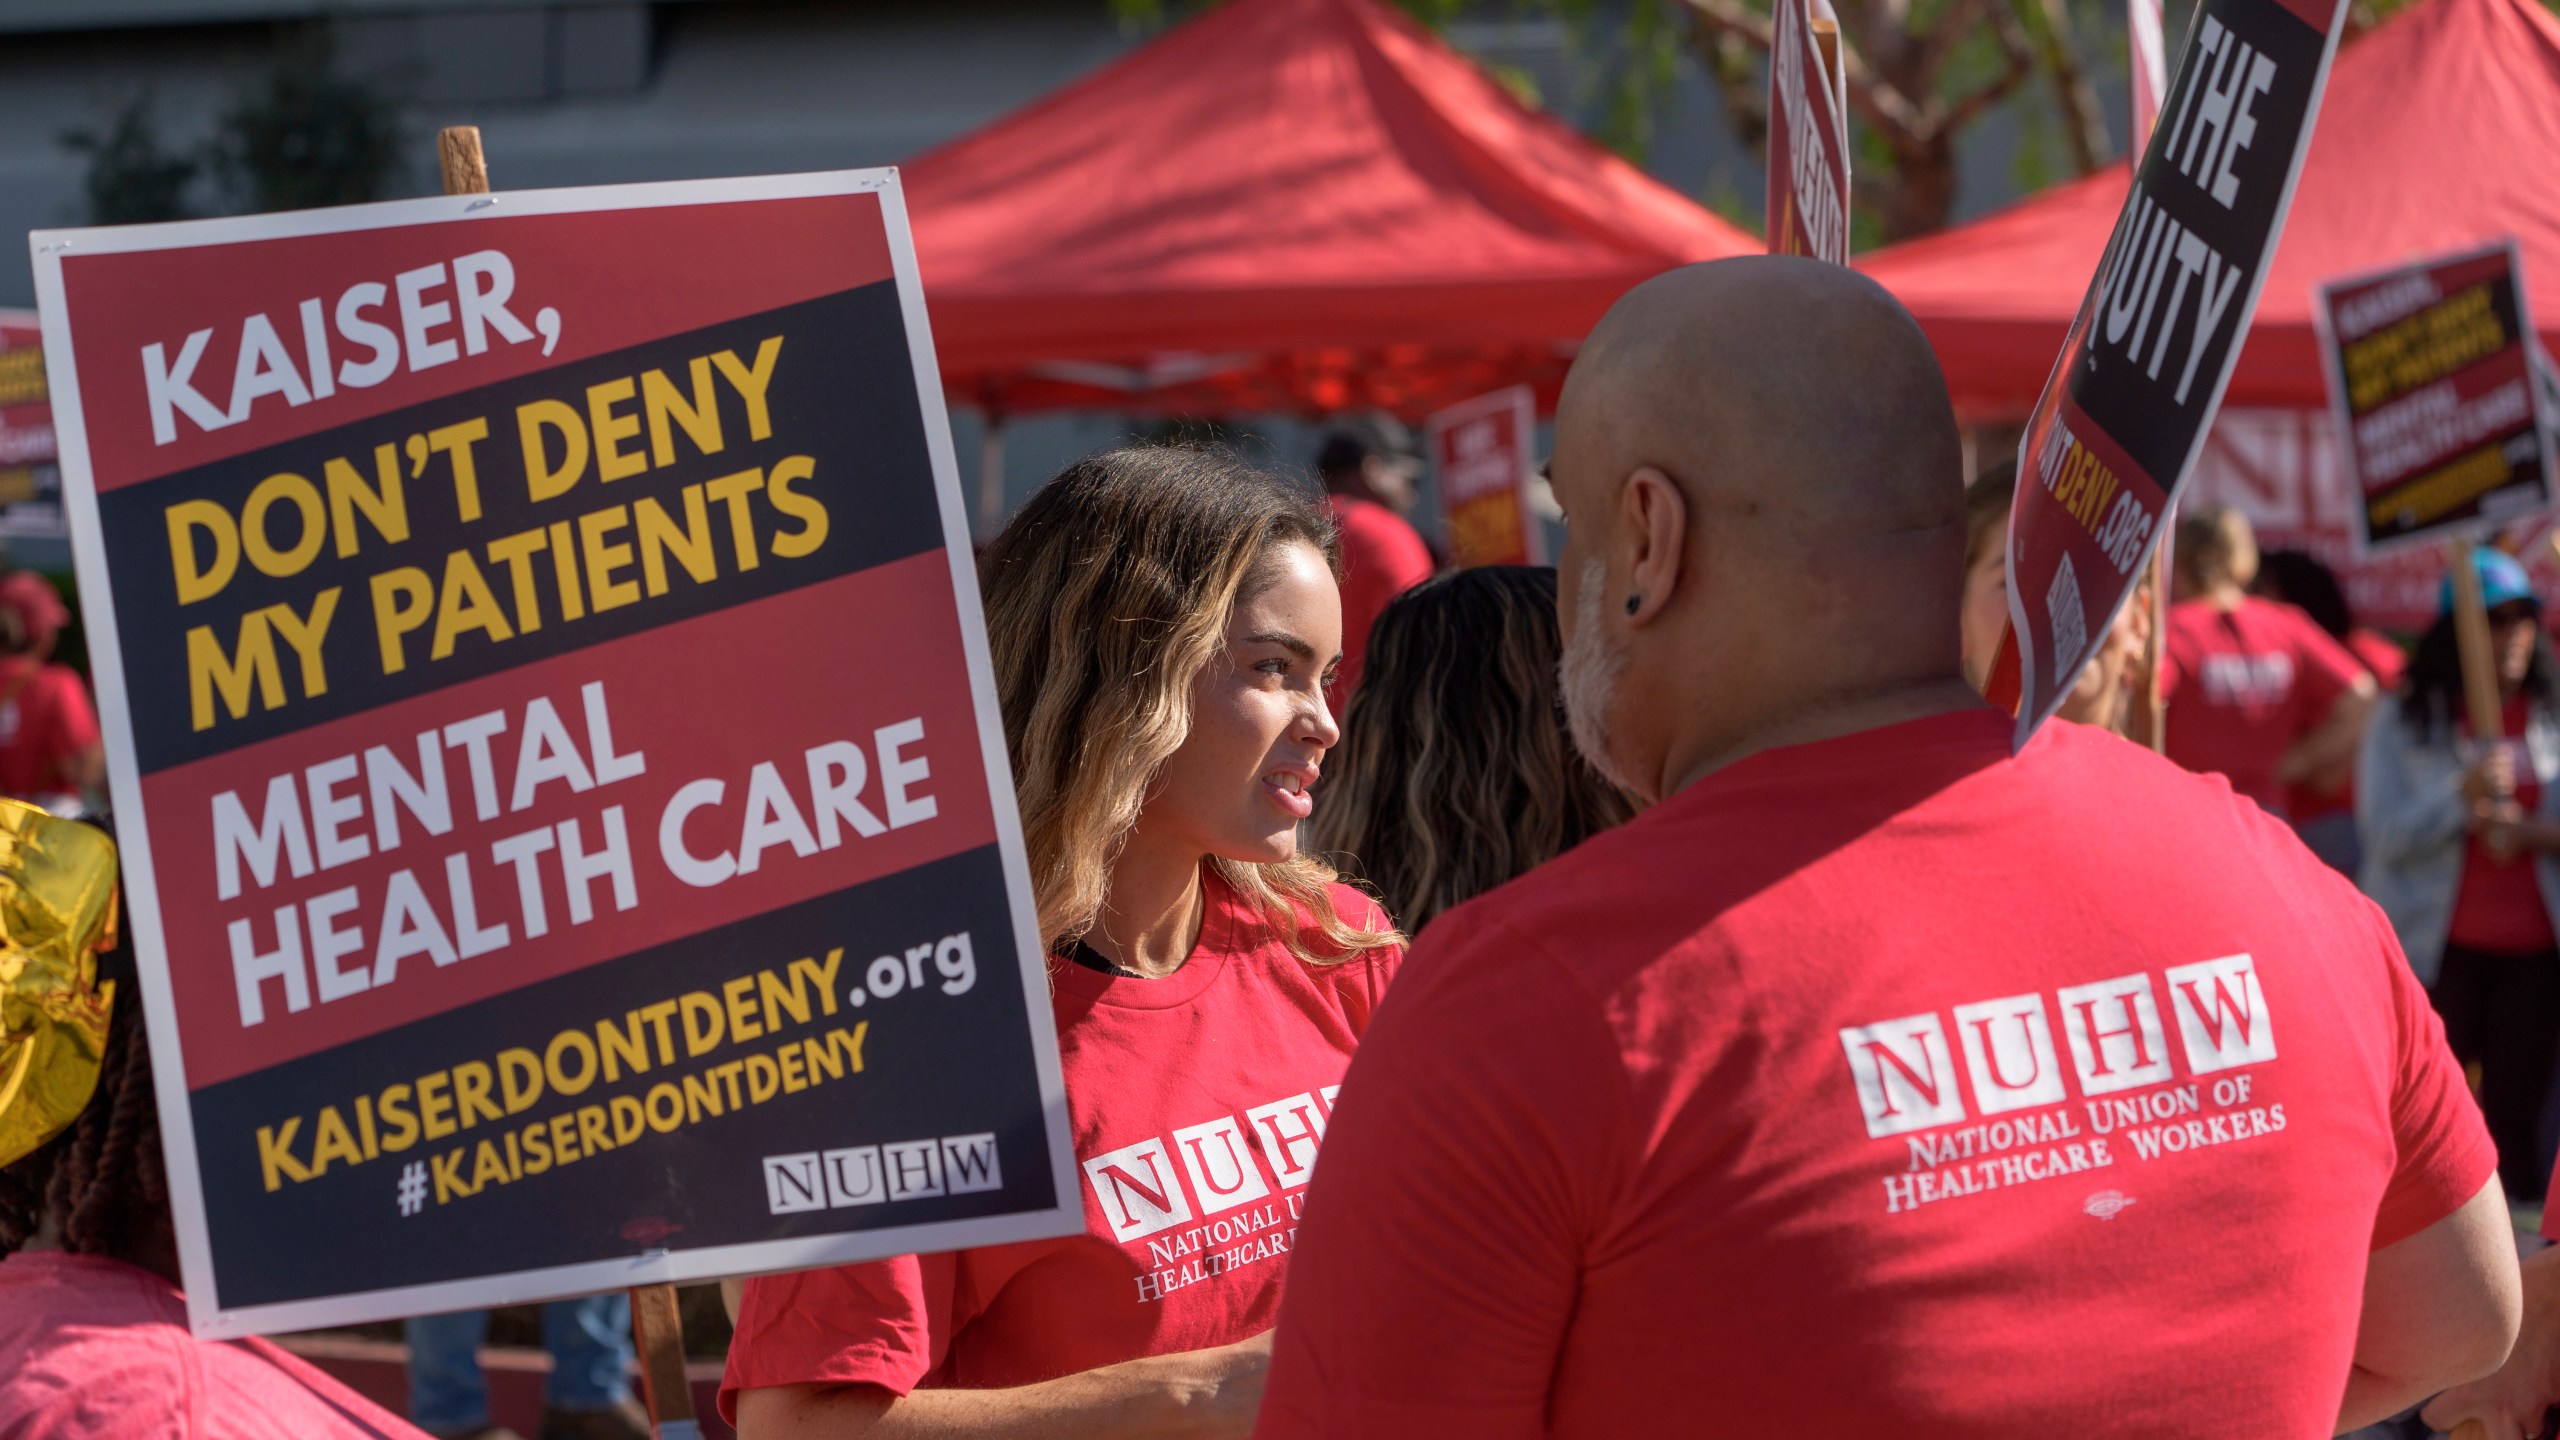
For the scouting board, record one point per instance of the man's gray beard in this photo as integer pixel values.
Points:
(1588, 675)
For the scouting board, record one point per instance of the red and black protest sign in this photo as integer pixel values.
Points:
(2144, 365)
(30, 485)
(564, 808)
(1808, 202)
(1483, 455)
(2432, 380)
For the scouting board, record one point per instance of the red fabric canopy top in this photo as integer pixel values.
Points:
(2439, 132)
(1285, 205)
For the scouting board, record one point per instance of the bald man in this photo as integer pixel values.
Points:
(1872, 1081)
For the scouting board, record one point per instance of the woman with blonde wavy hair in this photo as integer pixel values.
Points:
(1163, 621)
(1456, 773)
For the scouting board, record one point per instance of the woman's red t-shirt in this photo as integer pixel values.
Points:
(1196, 1103)
(2499, 910)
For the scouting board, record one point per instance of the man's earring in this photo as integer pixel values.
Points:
(1634, 603)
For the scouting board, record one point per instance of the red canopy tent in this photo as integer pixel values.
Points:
(2436, 134)
(1284, 205)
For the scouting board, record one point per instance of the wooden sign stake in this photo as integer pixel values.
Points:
(2471, 638)
(466, 171)
(2155, 710)
(657, 1325)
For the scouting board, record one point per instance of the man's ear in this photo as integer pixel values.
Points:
(1657, 536)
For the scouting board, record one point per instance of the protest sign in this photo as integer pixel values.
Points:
(566, 824)
(30, 484)
(1483, 454)
(1808, 201)
(2440, 412)
(2144, 364)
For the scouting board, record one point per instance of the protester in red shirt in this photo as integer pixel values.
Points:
(2462, 851)
(1162, 622)
(1368, 470)
(49, 750)
(1874, 1080)
(2323, 806)
(2256, 692)
(1455, 772)
(94, 1343)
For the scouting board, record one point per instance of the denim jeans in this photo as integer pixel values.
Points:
(590, 1345)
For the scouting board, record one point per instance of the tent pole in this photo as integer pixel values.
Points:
(991, 475)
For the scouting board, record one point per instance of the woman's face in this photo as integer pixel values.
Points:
(1986, 610)
(2512, 630)
(1238, 785)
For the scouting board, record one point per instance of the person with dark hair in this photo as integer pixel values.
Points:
(1880, 1077)
(2103, 695)
(49, 748)
(2323, 806)
(94, 1342)
(1162, 622)
(1455, 772)
(2462, 851)
(1368, 467)
(2256, 693)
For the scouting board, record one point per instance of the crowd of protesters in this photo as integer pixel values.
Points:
(1599, 924)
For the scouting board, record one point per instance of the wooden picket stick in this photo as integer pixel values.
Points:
(466, 171)
(657, 1323)
(2155, 709)
(1826, 38)
(2471, 638)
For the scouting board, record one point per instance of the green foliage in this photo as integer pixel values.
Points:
(305, 136)
(299, 136)
(131, 180)
(2037, 162)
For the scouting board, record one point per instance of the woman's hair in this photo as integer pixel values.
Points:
(2431, 688)
(1105, 597)
(1455, 771)
(1986, 510)
(2298, 579)
(102, 1177)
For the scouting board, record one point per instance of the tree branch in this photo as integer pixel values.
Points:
(2021, 63)
(2084, 124)
(1951, 31)
(1728, 18)
(1727, 60)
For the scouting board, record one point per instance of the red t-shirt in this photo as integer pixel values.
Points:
(45, 724)
(2499, 910)
(1196, 1102)
(1382, 557)
(94, 1349)
(2383, 659)
(2242, 685)
(1882, 1086)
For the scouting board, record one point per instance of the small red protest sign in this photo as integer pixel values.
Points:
(30, 485)
(1808, 201)
(1483, 455)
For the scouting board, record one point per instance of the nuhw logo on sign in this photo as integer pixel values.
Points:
(1905, 1072)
